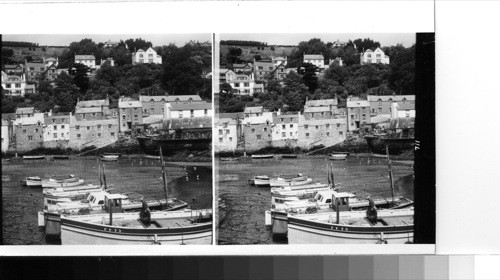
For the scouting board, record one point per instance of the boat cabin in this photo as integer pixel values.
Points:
(113, 202)
(340, 201)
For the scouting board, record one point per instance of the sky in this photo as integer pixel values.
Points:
(385, 39)
(65, 39)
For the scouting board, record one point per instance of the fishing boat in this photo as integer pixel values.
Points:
(282, 196)
(70, 181)
(33, 181)
(175, 140)
(261, 181)
(60, 157)
(228, 159)
(84, 187)
(352, 227)
(139, 228)
(337, 156)
(400, 137)
(290, 180)
(288, 156)
(33, 157)
(262, 156)
(109, 157)
(299, 187)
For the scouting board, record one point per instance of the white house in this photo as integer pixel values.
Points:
(5, 135)
(316, 59)
(378, 56)
(226, 135)
(255, 115)
(402, 110)
(87, 60)
(145, 57)
(245, 84)
(16, 85)
(56, 127)
(176, 111)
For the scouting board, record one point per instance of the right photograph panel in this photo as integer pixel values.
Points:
(314, 138)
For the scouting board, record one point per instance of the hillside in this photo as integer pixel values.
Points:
(248, 52)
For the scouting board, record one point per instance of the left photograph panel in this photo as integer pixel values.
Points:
(107, 139)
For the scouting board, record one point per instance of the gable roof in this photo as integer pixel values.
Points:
(129, 104)
(253, 110)
(313, 56)
(385, 98)
(358, 103)
(88, 110)
(191, 106)
(155, 98)
(84, 56)
(316, 109)
(321, 102)
(25, 110)
(264, 63)
(34, 64)
(183, 98)
(93, 103)
(238, 115)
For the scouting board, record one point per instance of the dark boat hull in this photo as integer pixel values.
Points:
(396, 146)
(151, 146)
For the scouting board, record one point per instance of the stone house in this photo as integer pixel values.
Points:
(279, 72)
(56, 128)
(155, 105)
(129, 114)
(381, 104)
(25, 112)
(34, 70)
(358, 114)
(320, 109)
(99, 133)
(188, 115)
(263, 70)
(285, 132)
(257, 135)
(13, 69)
(226, 75)
(92, 109)
(325, 132)
(28, 133)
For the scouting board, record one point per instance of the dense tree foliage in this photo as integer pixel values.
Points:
(242, 43)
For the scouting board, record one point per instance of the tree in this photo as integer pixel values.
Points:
(80, 76)
(233, 56)
(136, 44)
(365, 44)
(308, 73)
(85, 47)
(294, 92)
(66, 93)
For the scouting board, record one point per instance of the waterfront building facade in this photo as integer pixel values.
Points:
(129, 114)
(316, 132)
(358, 114)
(226, 131)
(97, 133)
(381, 104)
(56, 127)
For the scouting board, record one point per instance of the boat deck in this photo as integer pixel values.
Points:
(158, 223)
(358, 218)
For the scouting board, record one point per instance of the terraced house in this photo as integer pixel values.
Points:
(129, 114)
(56, 129)
(381, 104)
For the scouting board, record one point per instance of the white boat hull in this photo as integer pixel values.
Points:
(281, 183)
(55, 184)
(80, 231)
(33, 183)
(261, 182)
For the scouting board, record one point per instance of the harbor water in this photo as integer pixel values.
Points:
(243, 212)
(138, 175)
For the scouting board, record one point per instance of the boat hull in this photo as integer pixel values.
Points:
(33, 183)
(396, 146)
(33, 157)
(282, 183)
(64, 184)
(262, 156)
(337, 157)
(81, 232)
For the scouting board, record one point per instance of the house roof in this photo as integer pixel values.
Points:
(5, 122)
(407, 106)
(34, 64)
(25, 110)
(304, 121)
(316, 109)
(190, 106)
(93, 103)
(239, 65)
(229, 121)
(321, 102)
(183, 98)
(253, 110)
(313, 56)
(238, 115)
(12, 66)
(154, 98)
(84, 56)
(358, 103)
(88, 110)
(152, 119)
(286, 118)
(50, 59)
(374, 98)
(280, 58)
(129, 104)
(264, 63)
(9, 116)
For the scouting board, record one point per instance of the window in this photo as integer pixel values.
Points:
(258, 137)
(24, 130)
(206, 112)
(379, 60)
(328, 134)
(55, 127)
(220, 140)
(378, 55)
(221, 132)
(404, 100)
(55, 135)
(78, 136)
(306, 126)
(341, 133)
(291, 134)
(180, 115)
(283, 134)
(352, 116)
(236, 84)
(283, 126)
(265, 129)
(98, 126)
(253, 130)
(307, 134)
(364, 117)
(30, 138)
(227, 131)
(62, 135)
(136, 117)
(88, 127)
(327, 125)
(109, 126)
(53, 120)
(317, 127)
(77, 127)
(36, 129)
(291, 125)
(62, 126)
(99, 134)
(271, 68)
(192, 113)
(93, 114)
(261, 68)
(230, 139)
(18, 85)
(124, 117)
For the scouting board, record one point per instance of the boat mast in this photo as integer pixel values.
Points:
(164, 175)
(104, 178)
(391, 178)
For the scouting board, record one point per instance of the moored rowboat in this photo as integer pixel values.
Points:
(33, 181)
(337, 157)
(261, 181)
(262, 156)
(33, 157)
(109, 157)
